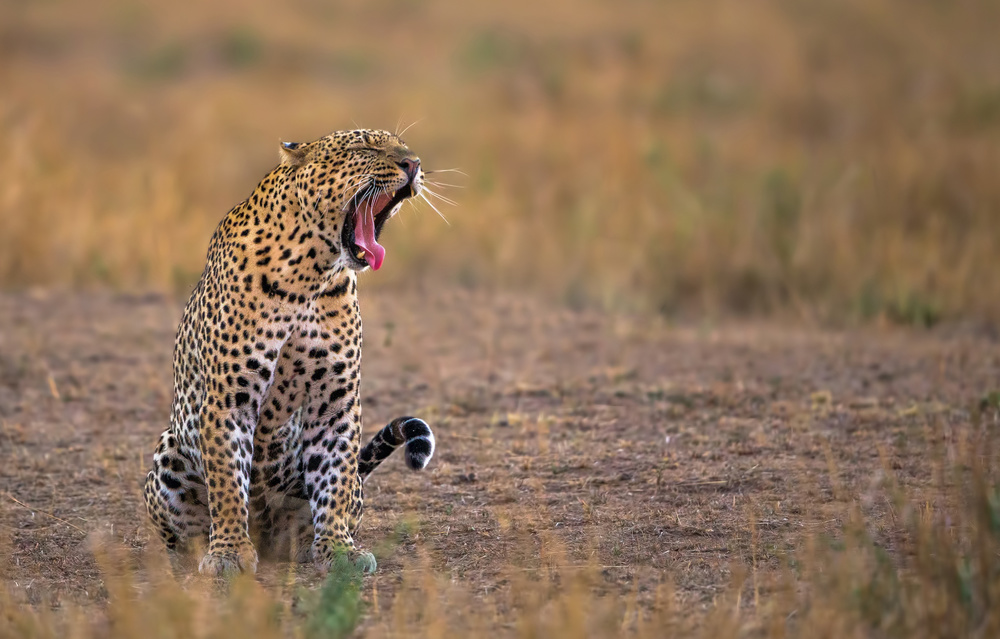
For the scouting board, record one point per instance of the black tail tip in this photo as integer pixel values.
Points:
(419, 443)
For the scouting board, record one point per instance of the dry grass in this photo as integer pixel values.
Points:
(832, 158)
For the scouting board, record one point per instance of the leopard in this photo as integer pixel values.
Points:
(262, 455)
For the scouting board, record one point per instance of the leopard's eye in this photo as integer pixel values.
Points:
(360, 148)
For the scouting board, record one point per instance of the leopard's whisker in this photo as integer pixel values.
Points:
(440, 197)
(363, 194)
(445, 184)
(359, 180)
(363, 181)
(365, 173)
(359, 188)
(407, 128)
(371, 194)
(446, 171)
(431, 204)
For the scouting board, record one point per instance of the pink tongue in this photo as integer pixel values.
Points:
(364, 231)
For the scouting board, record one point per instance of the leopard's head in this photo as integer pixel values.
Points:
(352, 182)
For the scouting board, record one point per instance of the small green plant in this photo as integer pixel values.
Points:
(990, 401)
(914, 309)
(780, 214)
(405, 530)
(337, 607)
(910, 309)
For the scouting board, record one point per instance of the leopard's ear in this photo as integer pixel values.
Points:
(292, 153)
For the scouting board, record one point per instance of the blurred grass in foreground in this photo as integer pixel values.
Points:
(832, 158)
(930, 570)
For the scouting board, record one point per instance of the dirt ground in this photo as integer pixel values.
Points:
(653, 451)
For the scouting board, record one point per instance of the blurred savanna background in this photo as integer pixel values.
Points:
(708, 339)
(833, 158)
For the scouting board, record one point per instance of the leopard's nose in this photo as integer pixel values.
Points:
(411, 166)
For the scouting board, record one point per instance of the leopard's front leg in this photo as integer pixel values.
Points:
(227, 450)
(331, 441)
(236, 389)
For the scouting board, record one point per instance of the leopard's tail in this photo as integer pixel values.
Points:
(410, 432)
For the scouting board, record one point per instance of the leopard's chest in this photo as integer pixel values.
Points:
(316, 379)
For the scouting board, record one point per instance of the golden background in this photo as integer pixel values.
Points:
(836, 159)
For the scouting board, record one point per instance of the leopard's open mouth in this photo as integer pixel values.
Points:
(367, 213)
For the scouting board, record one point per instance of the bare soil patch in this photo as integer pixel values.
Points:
(657, 453)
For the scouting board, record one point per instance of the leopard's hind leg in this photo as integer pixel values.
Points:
(288, 532)
(176, 496)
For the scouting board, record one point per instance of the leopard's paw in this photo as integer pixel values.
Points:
(326, 555)
(365, 561)
(229, 561)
